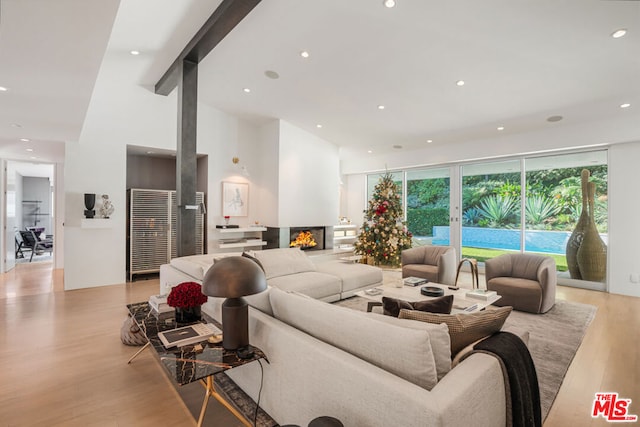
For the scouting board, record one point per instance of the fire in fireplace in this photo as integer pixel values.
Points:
(304, 240)
(307, 238)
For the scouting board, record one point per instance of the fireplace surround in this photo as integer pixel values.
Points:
(281, 237)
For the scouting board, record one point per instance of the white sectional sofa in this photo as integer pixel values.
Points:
(289, 269)
(365, 369)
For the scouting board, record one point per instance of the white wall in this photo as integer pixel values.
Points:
(119, 113)
(269, 170)
(624, 227)
(555, 136)
(355, 188)
(224, 137)
(94, 256)
(37, 189)
(309, 189)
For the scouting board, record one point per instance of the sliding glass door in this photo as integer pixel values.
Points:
(428, 203)
(530, 204)
(491, 209)
(554, 205)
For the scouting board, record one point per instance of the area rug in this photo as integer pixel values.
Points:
(554, 338)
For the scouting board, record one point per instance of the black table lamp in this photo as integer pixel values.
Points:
(232, 278)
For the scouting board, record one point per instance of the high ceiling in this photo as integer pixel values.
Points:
(522, 62)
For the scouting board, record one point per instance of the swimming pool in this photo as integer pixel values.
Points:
(552, 242)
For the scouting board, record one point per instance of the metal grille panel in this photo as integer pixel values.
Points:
(152, 229)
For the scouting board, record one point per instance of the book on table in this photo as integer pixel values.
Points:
(415, 281)
(159, 305)
(481, 294)
(189, 334)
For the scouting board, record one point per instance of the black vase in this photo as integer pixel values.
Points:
(185, 315)
(89, 204)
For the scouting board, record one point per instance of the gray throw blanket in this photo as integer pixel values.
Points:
(521, 380)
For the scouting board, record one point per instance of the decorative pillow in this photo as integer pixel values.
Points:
(438, 335)
(464, 328)
(462, 354)
(284, 261)
(392, 306)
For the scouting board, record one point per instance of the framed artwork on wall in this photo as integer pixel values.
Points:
(235, 198)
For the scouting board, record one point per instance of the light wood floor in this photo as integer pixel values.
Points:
(63, 363)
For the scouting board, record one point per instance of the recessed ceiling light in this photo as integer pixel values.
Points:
(619, 33)
(397, 147)
(33, 158)
(500, 127)
(625, 105)
(429, 141)
(272, 74)
(554, 118)
(25, 139)
(319, 126)
(3, 89)
(369, 151)
(246, 90)
(380, 107)
(460, 83)
(30, 149)
(389, 3)
(134, 52)
(304, 54)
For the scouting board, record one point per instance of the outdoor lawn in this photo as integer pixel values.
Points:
(482, 254)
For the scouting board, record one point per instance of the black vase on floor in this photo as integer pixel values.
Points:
(89, 204)
(186, 315)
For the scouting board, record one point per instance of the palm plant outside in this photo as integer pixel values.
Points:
(556, 206)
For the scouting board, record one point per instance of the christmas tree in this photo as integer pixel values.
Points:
(384, 234)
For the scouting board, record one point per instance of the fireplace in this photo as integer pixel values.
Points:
(281, 237)
(307, 238)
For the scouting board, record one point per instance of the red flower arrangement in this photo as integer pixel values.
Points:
(185, 295)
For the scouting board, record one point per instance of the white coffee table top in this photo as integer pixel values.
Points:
(461, 303)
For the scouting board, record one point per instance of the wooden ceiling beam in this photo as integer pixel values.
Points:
(220, 23)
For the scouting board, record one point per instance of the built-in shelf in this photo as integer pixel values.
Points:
(344, 237)
(247, 237)
(244, 244)
(240, 230)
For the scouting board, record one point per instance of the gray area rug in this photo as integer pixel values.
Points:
(554, 338)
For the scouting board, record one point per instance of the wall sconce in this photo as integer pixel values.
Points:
(241, 168)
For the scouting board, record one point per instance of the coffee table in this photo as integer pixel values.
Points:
(461, 303)
(190, 363)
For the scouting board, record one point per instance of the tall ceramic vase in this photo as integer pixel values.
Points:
(575, 240)
(89, 204)
(592, 254)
